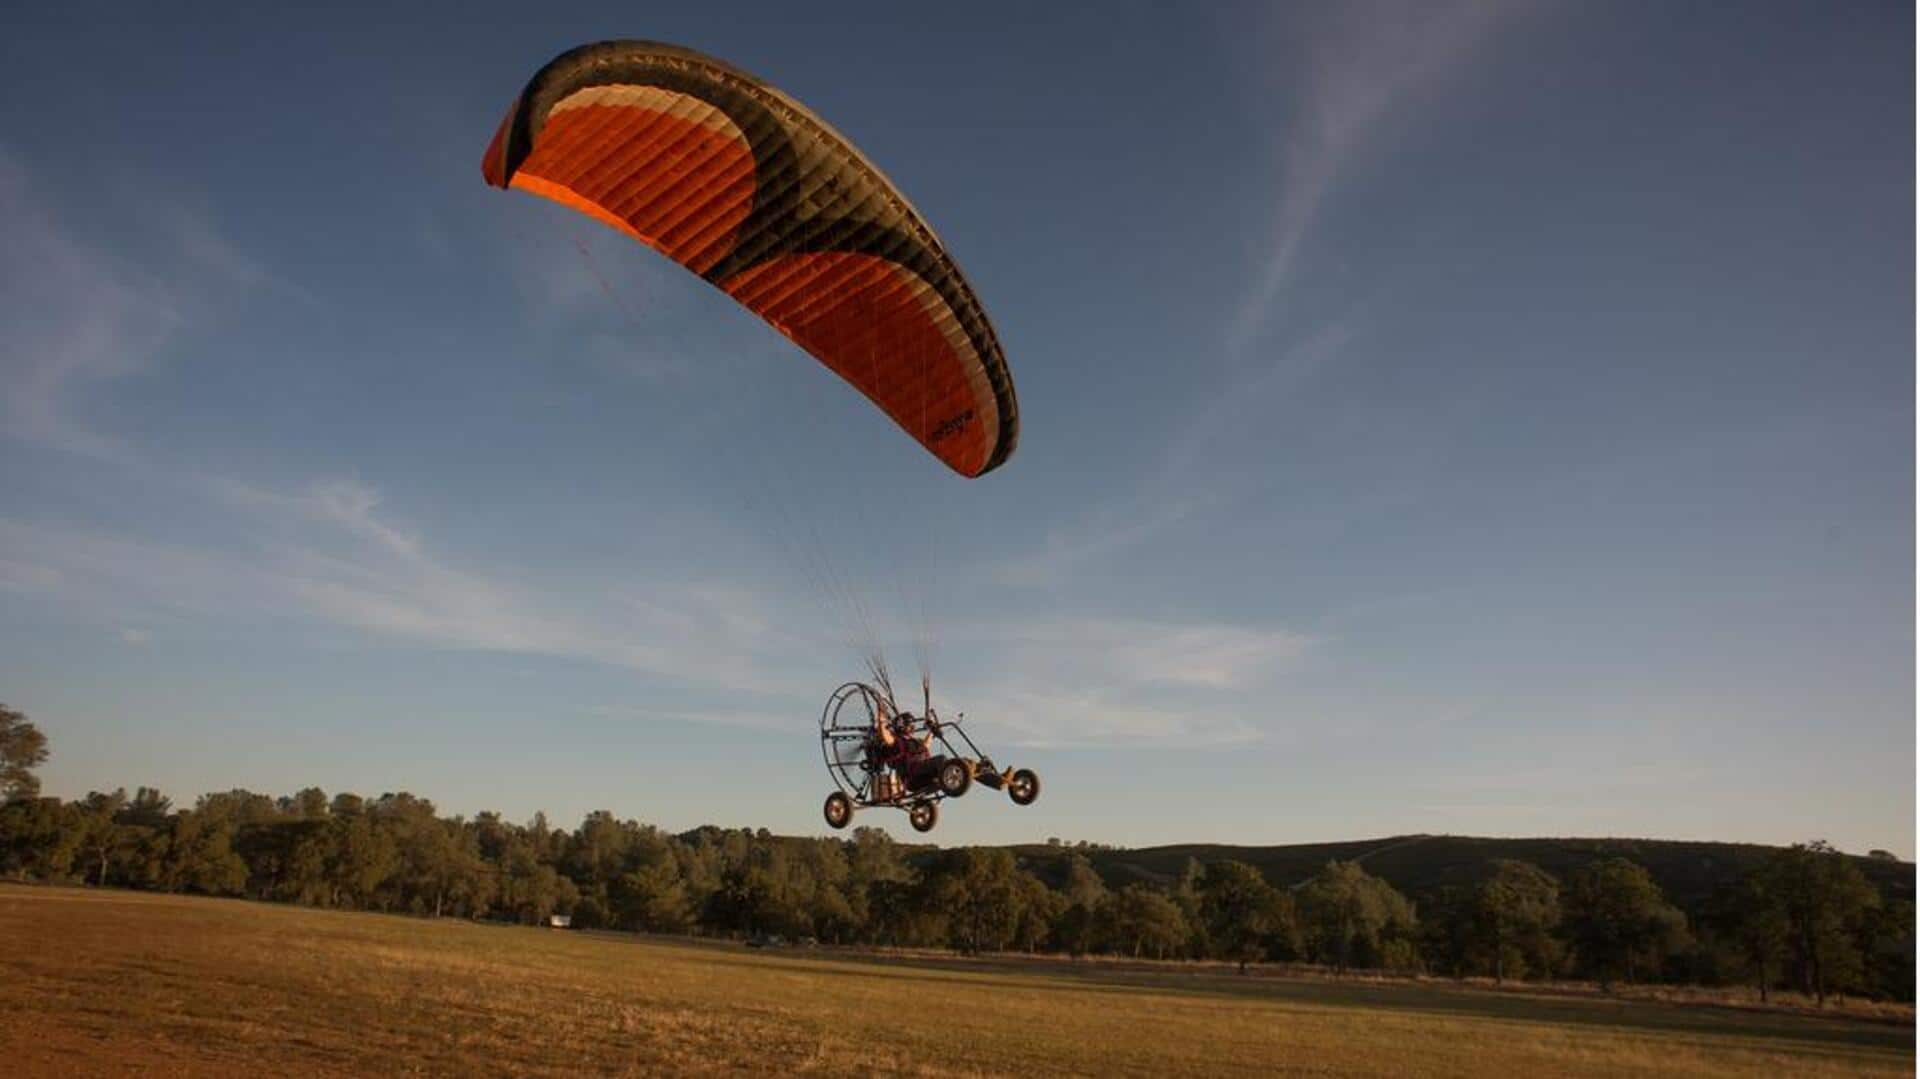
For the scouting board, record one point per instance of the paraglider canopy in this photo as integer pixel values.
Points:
(744, 186)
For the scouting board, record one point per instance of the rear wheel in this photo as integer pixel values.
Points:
(955, 778)
(839, 810)
(923, 816)
(1024, 787)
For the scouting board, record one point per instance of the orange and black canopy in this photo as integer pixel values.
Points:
(744, 186)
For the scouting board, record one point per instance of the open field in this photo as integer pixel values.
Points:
(120, 983)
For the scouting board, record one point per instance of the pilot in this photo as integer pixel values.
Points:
(910, 755)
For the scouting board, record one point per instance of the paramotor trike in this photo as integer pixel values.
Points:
(856, 759)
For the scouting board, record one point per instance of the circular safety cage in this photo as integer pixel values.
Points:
(846, 738)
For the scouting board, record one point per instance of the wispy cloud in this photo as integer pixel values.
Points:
(16, 576)
(390, 583)
(78, 317)
(328, 555)
(1359, 66)
(747, 719)
(1244, 405)
(330, 552)
(1133, 652)
(74, 318)
(1063, 716)
(1116, 681)
(1037, 681)
(1353, 73)
(1106, 532)
(344, 503)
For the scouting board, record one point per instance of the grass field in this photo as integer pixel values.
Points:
(124, 983)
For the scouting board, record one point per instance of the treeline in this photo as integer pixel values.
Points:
(1806, 919)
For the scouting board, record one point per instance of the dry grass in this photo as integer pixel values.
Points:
(113, 982)
(1742, 997)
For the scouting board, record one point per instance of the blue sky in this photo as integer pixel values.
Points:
(1454, 417)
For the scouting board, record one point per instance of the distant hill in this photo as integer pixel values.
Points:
(1421, 864)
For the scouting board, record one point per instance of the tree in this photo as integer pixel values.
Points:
(148, 809)
(242, 808)
(1186, 893)
(1516, 910)
(1040, 910)
(1450, 931)
(39, 838)
(1145, 922)
(980, 894)
(1619, 921)
(201, 858)
(652, 898)
(1351, 918)
(1886, 948)
(1758, 920)
(1239, 910)
(360, 856)
(597, 850)
(307, 862)
(22, 749)
(746, 901)
(875, 870)
(1081, 896)
(309, 804)
(100, 832)
(531, 890)
(438, 862)
(817, 878)
(422, 853)
(893, 913)
(1823, 898)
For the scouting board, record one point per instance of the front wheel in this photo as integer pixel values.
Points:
(923, 816)
(1024, 787)
(839, 810)
(955, 778)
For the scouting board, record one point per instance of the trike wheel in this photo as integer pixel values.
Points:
(955, 778)
(1023, 787)
(923, 816)
(839, 810)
